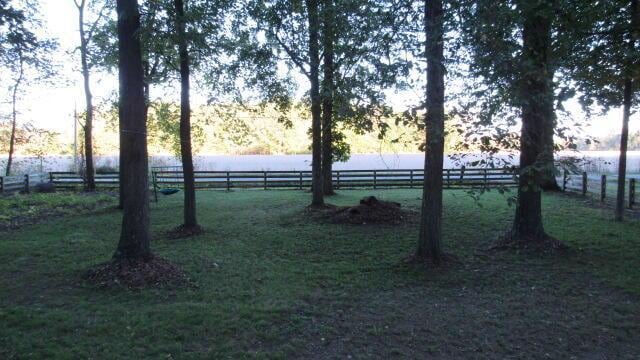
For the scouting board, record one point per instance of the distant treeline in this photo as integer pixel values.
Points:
(612, 142)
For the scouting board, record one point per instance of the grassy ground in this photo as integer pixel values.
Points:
(17, 210)
(271, 283)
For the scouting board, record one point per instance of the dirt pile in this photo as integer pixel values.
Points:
(371, 210)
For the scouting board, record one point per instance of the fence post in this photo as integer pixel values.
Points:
(448, 177)
(632, 193)
(565, 178)
(338, 179)
(26, 183)
(300, 180)
(603, 188)
(411, 178)
(584, 183)
(485, 177)
(228, 181)
(264, 173)
(1, 184)
(462, 173)
(375, 179)
(50, 177)
(154, 177)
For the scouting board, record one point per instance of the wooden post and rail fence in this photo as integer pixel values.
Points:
(343, 179)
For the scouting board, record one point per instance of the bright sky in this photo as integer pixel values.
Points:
(52, 106)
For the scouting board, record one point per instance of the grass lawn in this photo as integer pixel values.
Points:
(270, 283)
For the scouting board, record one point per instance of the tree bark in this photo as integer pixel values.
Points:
(14, 117)
(134, 238)
(626, 103)
(90, 184)
(190, 220)
(430, 238)
(548, 180)
(316, 108)
(534, 89)
(327, 98)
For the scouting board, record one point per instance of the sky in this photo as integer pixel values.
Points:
(52, 106)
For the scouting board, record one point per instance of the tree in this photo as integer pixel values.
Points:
(517, 48)
(535, 89)
(86, 37)
(316, 102)
(328, 85)
(134, 239)
(605, 61)
(25, 55)
(429, 242)
(190, 221)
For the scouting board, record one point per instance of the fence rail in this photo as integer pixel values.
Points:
(341, 178)
(21, 183)
(602, 187)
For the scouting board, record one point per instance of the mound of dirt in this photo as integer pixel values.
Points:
(156, 272)
(371, 210)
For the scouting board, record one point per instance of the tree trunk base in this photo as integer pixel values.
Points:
(136, 274)
(544, 243)
(183, 232)
(445, 260)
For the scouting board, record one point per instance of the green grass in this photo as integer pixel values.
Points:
(270, 283)
(18, 209)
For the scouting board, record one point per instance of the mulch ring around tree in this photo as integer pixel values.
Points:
(183, 232)
(370, 210)
(155, 272)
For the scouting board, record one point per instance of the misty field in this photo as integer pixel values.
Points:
(267, 281)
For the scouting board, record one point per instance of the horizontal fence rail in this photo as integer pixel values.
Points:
(342, 179)
(601, 187)
(71, 180)
(21, 183)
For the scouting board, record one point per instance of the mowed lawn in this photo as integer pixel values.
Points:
(268, 282)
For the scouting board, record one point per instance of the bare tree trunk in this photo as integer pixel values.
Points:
(14, 116)
(534, 88)
(134, 238)
(430, 238)
(624, 140)
(327, 98)
(90, 184)
(316, 109)
(190, 220)
(548, 180)
(627, 103)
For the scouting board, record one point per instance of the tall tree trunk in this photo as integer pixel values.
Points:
(90, 184)
(534, 87)
(624, 140)
(316, 108)
(327, 98)
(626, 103)
(190, 220)
(14, 116)
(134, 238)
(430, 238)
(548, 180)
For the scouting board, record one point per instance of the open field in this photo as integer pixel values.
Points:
(269, 282)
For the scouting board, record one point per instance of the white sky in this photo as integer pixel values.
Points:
(52, 106)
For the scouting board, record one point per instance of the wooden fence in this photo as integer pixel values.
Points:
(602, 187)
(342, 179)
(21, 183)
(71, 180)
